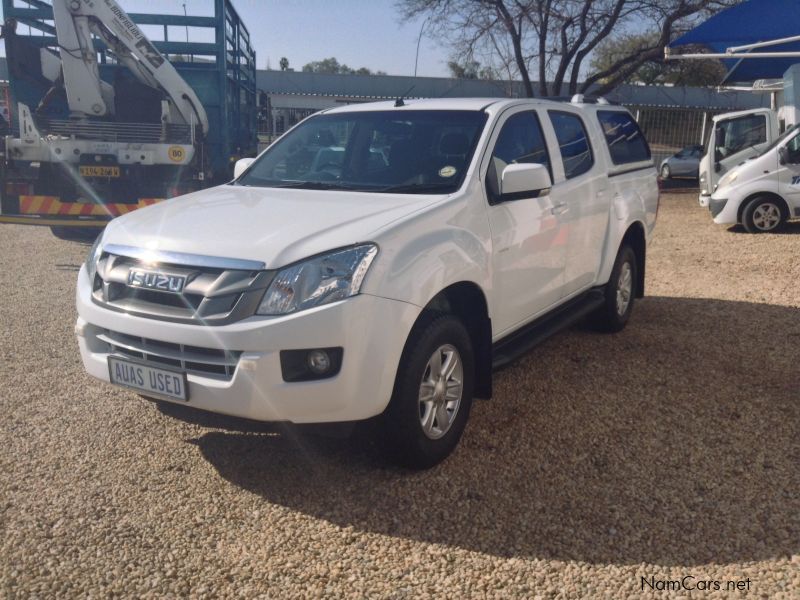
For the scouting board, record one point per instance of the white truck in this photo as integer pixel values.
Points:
(763, 192)
(738, 136)
(438, 240)
(106, 120)
(734, 137)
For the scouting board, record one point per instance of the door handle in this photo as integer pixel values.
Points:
(559, 209)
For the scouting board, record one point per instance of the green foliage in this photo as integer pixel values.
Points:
(470, 69)
(332, 66)
(656, 70)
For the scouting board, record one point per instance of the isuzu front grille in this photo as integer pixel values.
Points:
(208, 362)
(214, 291)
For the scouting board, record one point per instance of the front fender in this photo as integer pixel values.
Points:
(737, 194)
(429, 251)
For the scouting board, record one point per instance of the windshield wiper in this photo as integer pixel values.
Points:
(311, 185)
(419, 188)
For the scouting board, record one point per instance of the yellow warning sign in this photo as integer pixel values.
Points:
(176, 153)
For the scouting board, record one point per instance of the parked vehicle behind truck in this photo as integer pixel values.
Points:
(734, 137)
(105, 121)
(763, 192)
(434, 241)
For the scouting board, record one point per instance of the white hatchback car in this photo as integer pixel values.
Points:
(446, 238)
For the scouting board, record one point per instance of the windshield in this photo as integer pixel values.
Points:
(739, 133)
(396, 151)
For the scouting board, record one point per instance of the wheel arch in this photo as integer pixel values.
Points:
(762, 194)
(636, 239)
(466, 300)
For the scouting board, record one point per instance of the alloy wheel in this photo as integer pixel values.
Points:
(440, 391)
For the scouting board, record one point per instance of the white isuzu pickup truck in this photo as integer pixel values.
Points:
(378, 260)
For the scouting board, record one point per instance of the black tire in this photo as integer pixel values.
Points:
(763, 215)
(406, 442)
(608, 317)
(666, 172)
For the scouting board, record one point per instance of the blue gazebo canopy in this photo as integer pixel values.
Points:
(748, 23)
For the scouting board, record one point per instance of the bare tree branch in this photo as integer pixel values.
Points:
(558, 37)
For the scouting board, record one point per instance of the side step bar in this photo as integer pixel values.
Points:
(511, 347)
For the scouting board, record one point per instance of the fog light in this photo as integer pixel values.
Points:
(319, 362)
(310, 363)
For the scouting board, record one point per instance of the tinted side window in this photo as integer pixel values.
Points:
(520, 141)
(573, 143)
(625, 140)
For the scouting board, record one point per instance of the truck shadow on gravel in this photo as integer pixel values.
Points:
(676, 442)
(790, 228)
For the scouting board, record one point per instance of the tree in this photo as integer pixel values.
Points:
(555, 39)
(657, 70)
(333, 66)
(470, 69)
(284, 63)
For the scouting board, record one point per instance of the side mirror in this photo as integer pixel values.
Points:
(241, 166)
(717, 167)
(525, 180)
(783, 155)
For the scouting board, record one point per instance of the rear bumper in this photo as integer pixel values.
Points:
(371, 330)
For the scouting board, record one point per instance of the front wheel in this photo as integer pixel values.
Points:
(432, 395)
(762, 215)
(620, 292)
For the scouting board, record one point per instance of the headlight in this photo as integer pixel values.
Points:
(728, 178)
(317, 281)
(93, 257)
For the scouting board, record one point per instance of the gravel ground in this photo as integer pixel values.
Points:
(668, 450)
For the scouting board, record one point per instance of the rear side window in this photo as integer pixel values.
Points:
(625, 140)
(573, 143)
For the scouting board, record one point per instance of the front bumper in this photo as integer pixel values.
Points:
(716, 205)
(372, 331)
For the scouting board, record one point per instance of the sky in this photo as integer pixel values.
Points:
(359, 33)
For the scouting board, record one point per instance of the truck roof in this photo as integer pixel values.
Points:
(476, 104)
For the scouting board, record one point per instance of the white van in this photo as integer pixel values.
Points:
(763, 192)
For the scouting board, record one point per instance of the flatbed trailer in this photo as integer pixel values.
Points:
(112, 171)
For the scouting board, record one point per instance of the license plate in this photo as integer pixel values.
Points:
(151, 380)
(91, 171)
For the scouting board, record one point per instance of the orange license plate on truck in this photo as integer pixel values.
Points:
(92, 171)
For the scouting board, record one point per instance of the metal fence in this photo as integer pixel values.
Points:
(669, 129)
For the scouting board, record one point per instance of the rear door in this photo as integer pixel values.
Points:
(581, 184)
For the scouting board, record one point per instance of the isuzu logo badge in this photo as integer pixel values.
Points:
(156, 280)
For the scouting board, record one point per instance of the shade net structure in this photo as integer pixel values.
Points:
(750, 22)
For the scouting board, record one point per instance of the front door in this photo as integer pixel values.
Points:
(528, 235)
(789, 174)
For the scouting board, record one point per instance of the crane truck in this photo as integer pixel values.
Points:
(105, 121)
